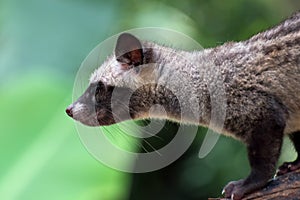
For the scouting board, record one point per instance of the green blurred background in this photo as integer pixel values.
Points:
(42, 44)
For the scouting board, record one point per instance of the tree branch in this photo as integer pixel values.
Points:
(285, 187)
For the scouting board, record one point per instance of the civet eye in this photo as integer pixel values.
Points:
(99, 91)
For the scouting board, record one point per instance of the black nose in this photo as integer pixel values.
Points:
(69, 111)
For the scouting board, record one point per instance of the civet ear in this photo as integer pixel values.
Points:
(129, 51)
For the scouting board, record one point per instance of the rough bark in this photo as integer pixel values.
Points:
(285, 187)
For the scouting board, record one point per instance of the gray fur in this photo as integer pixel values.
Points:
(261, 80)
(262, 66)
